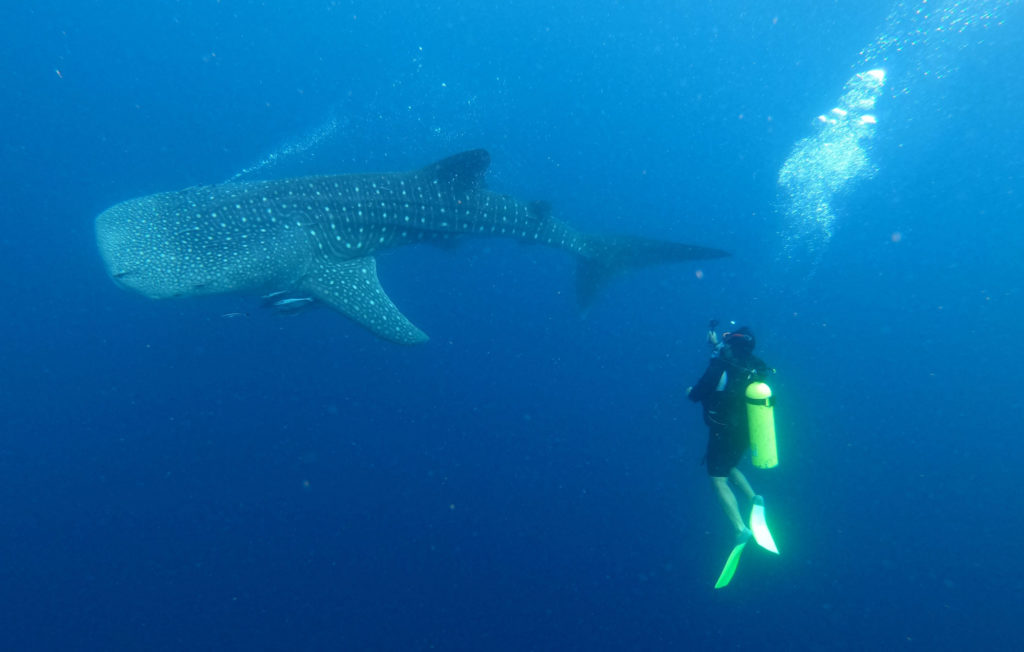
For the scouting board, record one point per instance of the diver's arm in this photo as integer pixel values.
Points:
(703, 387)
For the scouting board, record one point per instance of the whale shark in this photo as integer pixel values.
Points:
(314, 238)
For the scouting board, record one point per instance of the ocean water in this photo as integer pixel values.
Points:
(530, 478)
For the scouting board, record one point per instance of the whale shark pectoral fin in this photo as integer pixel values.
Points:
(352, 288)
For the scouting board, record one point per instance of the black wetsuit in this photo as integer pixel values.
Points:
(722, 392)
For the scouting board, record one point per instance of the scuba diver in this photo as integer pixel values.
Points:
(723, 393)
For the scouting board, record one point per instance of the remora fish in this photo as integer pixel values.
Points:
(293, 304)
(316, 236)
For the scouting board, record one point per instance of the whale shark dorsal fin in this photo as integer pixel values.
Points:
(461, 172)
(352, 288)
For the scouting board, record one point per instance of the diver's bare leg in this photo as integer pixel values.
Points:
(728, 500)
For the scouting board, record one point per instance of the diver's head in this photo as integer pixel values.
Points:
(741, 341)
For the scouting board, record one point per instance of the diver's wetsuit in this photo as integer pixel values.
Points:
(722, 392)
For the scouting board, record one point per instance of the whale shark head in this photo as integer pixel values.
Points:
(173, 244)
(142, 253)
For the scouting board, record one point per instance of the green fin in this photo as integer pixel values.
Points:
(762, 534)
(730, 566)
(351, 287)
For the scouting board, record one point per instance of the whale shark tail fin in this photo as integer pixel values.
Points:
(605, 256)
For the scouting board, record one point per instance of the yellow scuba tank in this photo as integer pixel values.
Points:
(761, 420)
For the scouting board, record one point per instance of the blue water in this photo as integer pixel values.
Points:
(529, 479)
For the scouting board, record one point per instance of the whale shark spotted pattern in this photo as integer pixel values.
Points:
(317, 236)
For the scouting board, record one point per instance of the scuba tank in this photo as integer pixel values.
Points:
(761, 421)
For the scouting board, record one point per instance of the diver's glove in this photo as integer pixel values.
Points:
(712, 335)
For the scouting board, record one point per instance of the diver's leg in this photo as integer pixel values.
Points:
(728, 501)
(740, 482)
